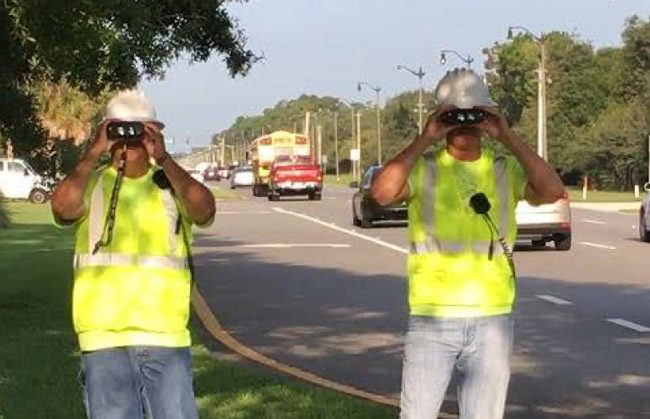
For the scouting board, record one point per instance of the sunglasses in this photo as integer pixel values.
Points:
(463, 116)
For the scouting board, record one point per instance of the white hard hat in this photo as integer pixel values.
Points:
(131, 105)
(463, 89)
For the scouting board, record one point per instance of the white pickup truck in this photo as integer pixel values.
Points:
(19, 181)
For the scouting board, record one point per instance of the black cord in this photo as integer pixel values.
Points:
(504, 244)
(109, 223)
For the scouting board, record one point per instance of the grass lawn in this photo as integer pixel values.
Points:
(575, 195)
(223, 193)
(39, 356)
(343, 180)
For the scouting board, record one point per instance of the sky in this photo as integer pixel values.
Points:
(325, 47)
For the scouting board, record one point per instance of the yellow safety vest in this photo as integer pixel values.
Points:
(136, 290)
(450, 272)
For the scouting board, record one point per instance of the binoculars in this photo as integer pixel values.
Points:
(125, 130)
(463, 116)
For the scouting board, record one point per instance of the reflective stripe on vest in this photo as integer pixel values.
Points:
(121, 259)
(95, 230)
(435, 245)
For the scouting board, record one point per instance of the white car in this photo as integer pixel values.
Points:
(242, 176)
(196, 174)
(644, 215)
(19, 181)
(545, 223)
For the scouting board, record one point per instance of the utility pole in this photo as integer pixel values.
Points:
(336, 143)
(319, 131)
(542, 147)
(359, 146)
(222, 152)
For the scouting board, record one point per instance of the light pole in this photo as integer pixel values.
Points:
(377, 90)
(542, 147)
(358, 115)
(336, 143)
(419, 74)
(352, 138)
(443, 57)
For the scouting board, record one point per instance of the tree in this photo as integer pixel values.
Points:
(96, 46)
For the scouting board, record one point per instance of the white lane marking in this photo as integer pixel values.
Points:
(342, 230)
(243, 212)
(294, 245)
(598, 222)
(599, 246)
(630, 325)
(554, 300)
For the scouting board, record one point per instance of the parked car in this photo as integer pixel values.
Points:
(224, 172)
(545, 223)
(211, 173)
(242, 176)
(365, 211)
(644, 215)
(19, 181)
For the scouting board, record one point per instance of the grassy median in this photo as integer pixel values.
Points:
(39, 356)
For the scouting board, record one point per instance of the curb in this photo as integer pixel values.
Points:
(215, 329)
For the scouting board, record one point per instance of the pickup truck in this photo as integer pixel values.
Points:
(295, 177)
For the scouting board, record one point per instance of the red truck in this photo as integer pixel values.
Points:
(295, 176)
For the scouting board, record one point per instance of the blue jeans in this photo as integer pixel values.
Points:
(134, 381)
(478, 348)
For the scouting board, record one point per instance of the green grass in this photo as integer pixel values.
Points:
(343, 180)
(39, 356)
(222, 194)
(575, 195)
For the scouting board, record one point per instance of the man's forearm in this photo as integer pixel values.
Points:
(68, 198)
(195, 197)
(546, 183)
(391, 180)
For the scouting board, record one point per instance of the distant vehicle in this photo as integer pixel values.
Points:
(644, 216)
(18, 180)
(365, 211)
(223, 172)
(196, 174)
(242, 176)
(211, 173)
(266, 149)
(545, 223)
(295, 176)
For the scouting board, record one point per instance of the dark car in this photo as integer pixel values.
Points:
(365, 211)
(211, 173)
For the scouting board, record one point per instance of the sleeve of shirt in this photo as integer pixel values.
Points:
(518, 178)
(414, 179)
(87, 196)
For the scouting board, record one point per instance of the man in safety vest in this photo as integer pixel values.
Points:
(462, 229)
(132, 264)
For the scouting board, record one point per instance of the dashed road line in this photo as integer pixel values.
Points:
(343, 230)
(597, 222)
(598, 246)
(554, 300)
(629, 325)
(294, 245)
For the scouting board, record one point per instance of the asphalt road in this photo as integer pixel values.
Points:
(297, 282)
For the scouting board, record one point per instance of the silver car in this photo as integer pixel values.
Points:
(242, 176)
(644, 215)
(545, 223)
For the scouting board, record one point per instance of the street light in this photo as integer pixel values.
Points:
(377, 90)
(542, 147)
(443, 57)
(419, 74)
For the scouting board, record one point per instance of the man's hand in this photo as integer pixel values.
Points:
(101, 142)
(154, 141)
(495, 125)
(434, 129)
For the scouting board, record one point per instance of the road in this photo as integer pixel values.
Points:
(294, 280)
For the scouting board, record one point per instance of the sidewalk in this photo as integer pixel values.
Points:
(607, 206)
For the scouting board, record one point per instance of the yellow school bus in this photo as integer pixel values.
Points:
(266, 149)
